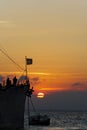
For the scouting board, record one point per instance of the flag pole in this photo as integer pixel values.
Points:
(28, 88)
(26, 66)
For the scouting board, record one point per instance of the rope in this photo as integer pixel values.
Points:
(32, 105)
(11, 59)
(28, 111)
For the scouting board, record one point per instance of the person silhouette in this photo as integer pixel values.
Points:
(14, 81)
(8, 82)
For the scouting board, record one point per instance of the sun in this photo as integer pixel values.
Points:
(40, 95)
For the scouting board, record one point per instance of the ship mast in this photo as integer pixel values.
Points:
(26, 66)
(28, 61)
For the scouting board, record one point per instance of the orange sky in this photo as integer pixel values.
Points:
(54, 34)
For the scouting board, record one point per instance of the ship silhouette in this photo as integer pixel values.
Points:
(12, 98)
(12, 105)
(12, 101)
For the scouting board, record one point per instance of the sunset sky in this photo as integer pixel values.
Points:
(51, 32)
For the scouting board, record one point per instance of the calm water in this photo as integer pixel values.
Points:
(62, 121)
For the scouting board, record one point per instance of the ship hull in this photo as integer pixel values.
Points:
(12, 105)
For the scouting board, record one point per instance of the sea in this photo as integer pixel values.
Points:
(60, 120)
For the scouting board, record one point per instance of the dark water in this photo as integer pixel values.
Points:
(61, 121)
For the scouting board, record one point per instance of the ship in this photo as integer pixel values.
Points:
(39, 120)
(12, 101)
(13, 97)
(12, 106)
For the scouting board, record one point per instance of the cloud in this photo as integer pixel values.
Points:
(40, 73)
(77, 84)
(35, 80)
(22, 78)
(3, 22)
(6, 24)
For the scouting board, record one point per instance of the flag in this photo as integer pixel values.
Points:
(28, 61)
